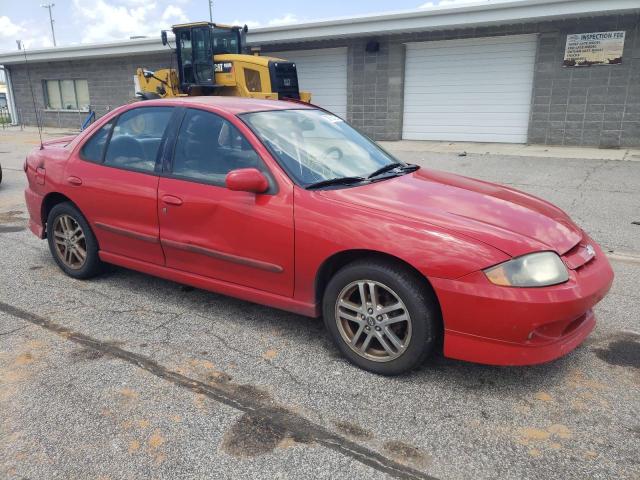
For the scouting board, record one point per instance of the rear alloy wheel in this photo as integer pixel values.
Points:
(72, 243)
(381, 315)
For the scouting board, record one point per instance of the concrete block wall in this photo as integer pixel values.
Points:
(590, 106)
(374, 88)
(110, 83)
(587, 106)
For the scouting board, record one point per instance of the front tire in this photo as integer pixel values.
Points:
(381, 316)
(72, 243)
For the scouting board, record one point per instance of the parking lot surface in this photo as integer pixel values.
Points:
(130, 376)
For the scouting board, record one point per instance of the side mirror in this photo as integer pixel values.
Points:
(246, 180)
(163, 37)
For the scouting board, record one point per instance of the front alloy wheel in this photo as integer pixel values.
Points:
(373, 320)
(382, 315)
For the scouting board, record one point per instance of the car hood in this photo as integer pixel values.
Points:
(512, 221)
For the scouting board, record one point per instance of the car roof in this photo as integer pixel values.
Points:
(233, 105)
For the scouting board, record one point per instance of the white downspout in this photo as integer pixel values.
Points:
(10, 98)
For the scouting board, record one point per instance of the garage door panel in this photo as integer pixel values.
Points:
(469, 89)
(323, 72)
(485, 131)
(461, 66)
(489, 89)
(486, 119)
(467, 108)
(497, 52)
(437, 99)
(510, 64)
(454, 136)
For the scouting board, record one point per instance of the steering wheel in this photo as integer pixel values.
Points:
(333, 152)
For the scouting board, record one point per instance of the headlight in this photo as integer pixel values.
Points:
(533, 270)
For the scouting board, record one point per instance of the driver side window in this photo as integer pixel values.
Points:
(208, 147)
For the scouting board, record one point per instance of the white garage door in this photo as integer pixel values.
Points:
(476, 90)
(323, 72)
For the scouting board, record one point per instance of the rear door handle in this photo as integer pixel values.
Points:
(74, 181)
(171, 200)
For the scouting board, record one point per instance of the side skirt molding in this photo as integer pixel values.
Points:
(127, 233)
(227, 257)
(213, 285)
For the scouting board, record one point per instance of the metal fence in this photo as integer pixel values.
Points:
(73, 119)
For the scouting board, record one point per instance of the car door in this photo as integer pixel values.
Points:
(114, 181)
(238, 237)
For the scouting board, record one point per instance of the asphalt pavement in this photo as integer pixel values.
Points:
(130, 376)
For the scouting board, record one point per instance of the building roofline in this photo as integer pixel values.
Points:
(439, 18)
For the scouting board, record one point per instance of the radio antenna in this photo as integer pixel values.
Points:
(33, 96)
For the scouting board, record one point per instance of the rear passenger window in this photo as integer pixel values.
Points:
(136, 138)
(208, 147)
(93, 149)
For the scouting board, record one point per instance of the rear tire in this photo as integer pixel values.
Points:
(72, 243)
(396, 326)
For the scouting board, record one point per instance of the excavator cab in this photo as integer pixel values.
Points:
(196, 46)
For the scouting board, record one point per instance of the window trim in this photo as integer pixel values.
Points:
(45, 92)
(167, 166)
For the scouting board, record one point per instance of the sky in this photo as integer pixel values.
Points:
(95, 21)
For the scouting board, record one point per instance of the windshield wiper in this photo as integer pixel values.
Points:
(335, 181)
(392, 166)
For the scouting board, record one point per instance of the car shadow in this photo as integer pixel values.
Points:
(295, 329)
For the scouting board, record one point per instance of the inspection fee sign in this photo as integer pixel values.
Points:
(597, 48)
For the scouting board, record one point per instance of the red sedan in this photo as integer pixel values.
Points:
(287, 205)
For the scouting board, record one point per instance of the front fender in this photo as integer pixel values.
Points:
(326, 228)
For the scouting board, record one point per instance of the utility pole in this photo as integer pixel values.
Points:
(211, 11)
(49, 6)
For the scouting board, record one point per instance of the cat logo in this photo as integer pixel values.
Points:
(222, 67)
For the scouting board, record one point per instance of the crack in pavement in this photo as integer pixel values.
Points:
(2, 334)
(234, 396)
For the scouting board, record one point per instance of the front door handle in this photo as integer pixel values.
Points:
(171, 200)
(74, 180)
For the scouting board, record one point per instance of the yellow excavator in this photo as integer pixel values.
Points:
(212, 60)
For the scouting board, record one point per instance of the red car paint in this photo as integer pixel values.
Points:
(273, 246)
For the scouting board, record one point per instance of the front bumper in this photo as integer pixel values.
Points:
(485, 323)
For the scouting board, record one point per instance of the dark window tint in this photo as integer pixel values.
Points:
(93, 149)
(252, 79)
(209, 147)
(136, 138)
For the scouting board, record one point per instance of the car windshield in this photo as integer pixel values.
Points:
(315, 146)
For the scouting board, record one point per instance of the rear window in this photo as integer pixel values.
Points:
(93, 149)
(137, 137)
